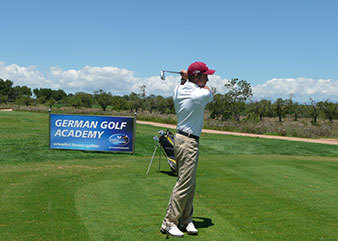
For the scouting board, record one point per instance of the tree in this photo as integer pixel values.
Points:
(119, 103)
(86, 100)
(329, 109)
(142, 96)
(166, 105)
(58, 94)
(264, 108)
(21, 91)
(314, 111)
(135, 102)
(231, 104)
(280, 107)
(239, 92)
(6, 91)
(41, 100)
(43, 92)
(103, 99)
(261, 108)
(150, 103)
(4, 99)
(48, 94)
(142, 92)
(74, 100)
(219, 108)
(51, 102)
(170, 105)
(24, 101)
(293, 108)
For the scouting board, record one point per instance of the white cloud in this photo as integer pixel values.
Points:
(115, 80)
(89, 79)
(29, 76)
(122, 81)
(301, 89)
(112, 79)
(218, 83)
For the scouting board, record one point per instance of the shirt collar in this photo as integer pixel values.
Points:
(191, 84)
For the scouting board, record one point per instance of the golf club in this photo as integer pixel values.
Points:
(168, 71)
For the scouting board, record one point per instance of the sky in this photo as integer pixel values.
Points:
(281, 48)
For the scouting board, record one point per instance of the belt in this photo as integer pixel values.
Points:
(188, 135)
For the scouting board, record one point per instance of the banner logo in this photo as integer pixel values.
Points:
(119, 139)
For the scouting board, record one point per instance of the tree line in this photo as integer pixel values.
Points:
(23, 95)
(233, 105)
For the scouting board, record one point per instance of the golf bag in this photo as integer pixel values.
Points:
(166, 140)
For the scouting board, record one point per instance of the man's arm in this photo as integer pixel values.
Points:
(206, 87)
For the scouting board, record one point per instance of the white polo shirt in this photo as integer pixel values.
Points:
(190, 101)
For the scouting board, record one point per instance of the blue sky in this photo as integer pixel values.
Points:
(280, 47)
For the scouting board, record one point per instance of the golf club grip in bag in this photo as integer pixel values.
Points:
(166, 141)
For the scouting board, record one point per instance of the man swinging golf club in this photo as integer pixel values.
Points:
(190, 99)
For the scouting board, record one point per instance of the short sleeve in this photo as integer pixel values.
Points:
(202, 96)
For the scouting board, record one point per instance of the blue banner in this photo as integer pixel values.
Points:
(92, 133)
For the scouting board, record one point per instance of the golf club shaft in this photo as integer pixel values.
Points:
(174, 72)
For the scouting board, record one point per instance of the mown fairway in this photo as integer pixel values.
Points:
(247, 188)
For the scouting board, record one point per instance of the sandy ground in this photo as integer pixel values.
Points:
(321, 141)
(6, 109)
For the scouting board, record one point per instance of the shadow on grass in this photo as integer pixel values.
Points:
(169, 173)
(202, 222)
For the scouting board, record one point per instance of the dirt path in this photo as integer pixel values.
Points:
(321, 141)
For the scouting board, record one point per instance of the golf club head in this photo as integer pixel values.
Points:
(162, 75)
(169, 71)
(161, 133)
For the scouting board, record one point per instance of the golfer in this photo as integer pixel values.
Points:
(190, 98)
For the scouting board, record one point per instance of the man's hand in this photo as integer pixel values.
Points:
(184, 74)
(206, 87)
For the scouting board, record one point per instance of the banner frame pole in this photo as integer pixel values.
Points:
(49, 112)
(134, 133)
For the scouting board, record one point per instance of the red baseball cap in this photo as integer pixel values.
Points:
(199, 67)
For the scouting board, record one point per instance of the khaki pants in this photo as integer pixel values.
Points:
(180, 204)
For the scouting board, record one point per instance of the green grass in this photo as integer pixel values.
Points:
(247, 188)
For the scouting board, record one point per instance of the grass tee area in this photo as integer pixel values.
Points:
(247, 188)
